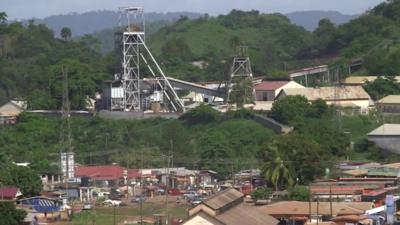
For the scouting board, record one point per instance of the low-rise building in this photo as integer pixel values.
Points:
(10, 111)
(299, 212)
(10, 193)
(389, 104)
(268, 90)
(343, 96)
(227, 208)
(386, 137)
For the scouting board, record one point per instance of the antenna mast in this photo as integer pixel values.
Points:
(66, 151)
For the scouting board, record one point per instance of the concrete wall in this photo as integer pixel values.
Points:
(389, 143)
(265, 95)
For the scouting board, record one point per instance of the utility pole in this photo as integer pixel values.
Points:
(141, 188)
(167, 187)
(65, 131)
(330, 199)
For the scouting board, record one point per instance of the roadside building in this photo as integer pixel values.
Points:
(361, 80)
(389, 104)
(109, 175)
(344, 96)
(10, 193)
(227, 208)
(268, 90)
(295, 212)
(10, 111)
(386, 137)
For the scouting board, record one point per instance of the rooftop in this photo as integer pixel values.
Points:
(223, 198)
(9, 192)
(270, 85)
(109, 172)
(296, 208)
(329, 93)
(386, 130)
(390, 99)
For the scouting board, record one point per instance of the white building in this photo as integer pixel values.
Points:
(344, 96)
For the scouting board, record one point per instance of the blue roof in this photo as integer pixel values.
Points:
(41, 205)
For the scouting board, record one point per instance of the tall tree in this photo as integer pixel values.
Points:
(9, 215)
(3, 17)
(66, 33)
(242, 93)
(22, 177)
(276, 169)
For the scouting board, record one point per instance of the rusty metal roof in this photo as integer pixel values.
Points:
(223, 198)
(293, 208)
(329, 93)
(243, 214)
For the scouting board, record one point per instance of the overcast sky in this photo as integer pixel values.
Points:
(25, 9)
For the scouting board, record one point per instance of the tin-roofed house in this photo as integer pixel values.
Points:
(227, 208)
(389, 104)
(386, 137)
(10, 193)
(344, 96)
(268, 90)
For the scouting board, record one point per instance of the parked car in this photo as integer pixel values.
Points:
(174, 192)
(190, 195)
(196, 200)
(138, 199)
(110, 202)
(87, 206)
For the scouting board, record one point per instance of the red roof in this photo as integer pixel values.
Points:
(133, 173)
(270, 85)
(8, 192)
(100, 172)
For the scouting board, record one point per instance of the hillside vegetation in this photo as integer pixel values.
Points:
(204, 138)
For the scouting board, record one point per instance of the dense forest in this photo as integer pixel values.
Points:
(202, 138)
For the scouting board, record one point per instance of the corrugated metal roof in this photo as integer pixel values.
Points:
(292, 208)
(329, 93)
(9, 192)
(359, 80)
(223, 198)
(390, 99)
(100, 172)
(270, 85)
(243, 214)
(386, 130)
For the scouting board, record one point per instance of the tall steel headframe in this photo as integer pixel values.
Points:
(240, 69)
(134, 50)
(132, 38)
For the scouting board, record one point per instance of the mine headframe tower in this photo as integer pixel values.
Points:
(240, 70)
(131, 42)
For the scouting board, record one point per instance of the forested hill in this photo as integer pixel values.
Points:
(31, 56)
(310, 19)
(31, 62)
(276, 45)
(90, 22)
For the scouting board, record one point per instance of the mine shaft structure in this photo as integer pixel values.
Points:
(240, 70)
(136, 57)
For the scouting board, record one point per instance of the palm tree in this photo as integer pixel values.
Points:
(276, 170)
(3, 17)
(66, 33)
